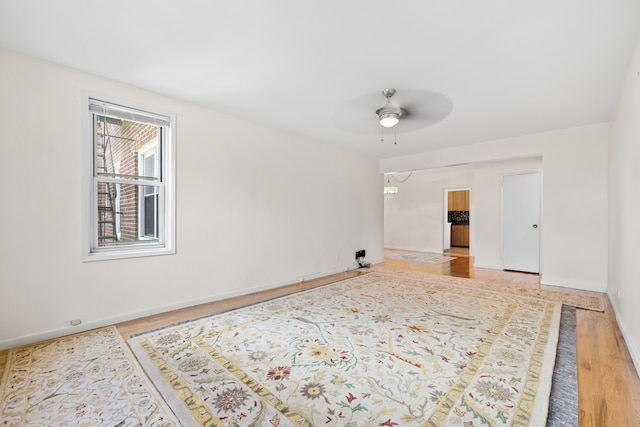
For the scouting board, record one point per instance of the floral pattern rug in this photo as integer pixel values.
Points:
(592, 301)
(374, 350)
(88, 379)
(423, 257)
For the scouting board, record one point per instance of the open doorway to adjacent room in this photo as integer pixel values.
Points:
(457, 222)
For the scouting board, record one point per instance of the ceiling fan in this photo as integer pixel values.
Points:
(410, 110)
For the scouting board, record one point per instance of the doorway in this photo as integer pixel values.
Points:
(456, 231)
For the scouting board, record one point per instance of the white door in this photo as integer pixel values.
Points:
(521, 222)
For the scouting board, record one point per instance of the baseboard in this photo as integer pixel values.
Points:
(487, 266)
(125, 317)
(633, 350)
(544, 280)
(99, 323)
(52, 333)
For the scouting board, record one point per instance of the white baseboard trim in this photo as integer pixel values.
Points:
(544, 280)
(633, 350)
(125, 317)
(487, 266)
(112, 320)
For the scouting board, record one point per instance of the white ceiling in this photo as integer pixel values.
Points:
(317, 68)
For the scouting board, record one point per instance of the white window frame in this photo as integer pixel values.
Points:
(143, 152)
(166, 204)
(118, 200)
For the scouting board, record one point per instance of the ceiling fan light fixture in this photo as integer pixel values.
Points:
(389, 120)
(390, 191)
(389, 115)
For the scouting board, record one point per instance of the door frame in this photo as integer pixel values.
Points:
(445, 214)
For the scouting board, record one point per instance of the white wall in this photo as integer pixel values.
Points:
(624, 205)
(257, 208)
(487, 207)
(574, 201)
(414, 218)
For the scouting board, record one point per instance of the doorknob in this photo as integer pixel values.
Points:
(535, 225)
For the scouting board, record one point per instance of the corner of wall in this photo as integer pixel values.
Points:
(633, 351)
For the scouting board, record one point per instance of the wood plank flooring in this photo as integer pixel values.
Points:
(608, 385)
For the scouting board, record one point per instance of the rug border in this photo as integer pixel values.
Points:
(540, 412)
(167, 394)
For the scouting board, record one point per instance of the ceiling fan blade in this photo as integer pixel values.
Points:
(431, 108)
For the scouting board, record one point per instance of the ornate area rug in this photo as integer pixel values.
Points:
(373, 350)
(88, 379)
(423, 257)
(589, 302)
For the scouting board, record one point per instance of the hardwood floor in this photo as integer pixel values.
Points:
(608, 385)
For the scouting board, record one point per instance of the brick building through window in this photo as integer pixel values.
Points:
(128, 150)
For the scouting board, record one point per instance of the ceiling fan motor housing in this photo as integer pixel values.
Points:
(389, 115)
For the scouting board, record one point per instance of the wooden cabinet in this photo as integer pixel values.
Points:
(458, 200)
(465, 200)
(460, 235)
(456, 235)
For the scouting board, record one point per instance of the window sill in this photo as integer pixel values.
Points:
(128, 253)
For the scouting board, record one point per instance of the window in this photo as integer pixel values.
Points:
(148, 194)
(129, 166)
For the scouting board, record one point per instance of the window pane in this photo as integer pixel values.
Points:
(107, 213)
(127, 214)
(149, 165)
(118, 145)
(150, 213)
